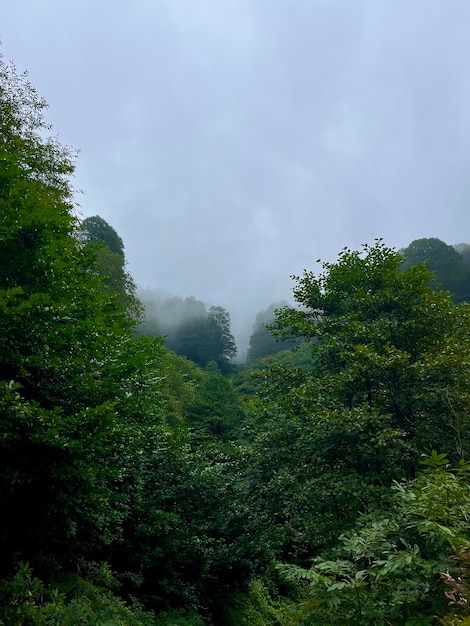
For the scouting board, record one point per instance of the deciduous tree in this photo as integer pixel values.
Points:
(262, 341)
(447, 264)
(389, 380)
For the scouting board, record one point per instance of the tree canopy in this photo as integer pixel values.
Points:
(97, 230)
(137, 487)
(262, 341)
(450, 270)
(100, 485)
(205, 338)
(387, 383)
(190, 329)
(385, 339)
(103, 241)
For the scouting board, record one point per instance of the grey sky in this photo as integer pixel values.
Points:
(231, 143)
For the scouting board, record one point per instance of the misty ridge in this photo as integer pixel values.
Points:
(178, 319)
(202, 332)
(181, 320)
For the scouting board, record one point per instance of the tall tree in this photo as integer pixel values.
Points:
(97, 230)
(449, 270)
(222, 342)
(389, 380)
(59, 330)
(374, 324)
(262, 341)
(95, 462)
(205, 337)
(105, 243)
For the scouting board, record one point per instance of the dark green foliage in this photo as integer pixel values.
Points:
(88, 457)
(58, 482)
(222, 341)
(385, 340)
(128, 472)
(26, 601)
(190, 329)
(248, 378)
(315, 474)
(59, 330)
(205, 338)
(102, 241)
(391, 569)
(189, 339)
(388, 380)
(262, 341)
(217, 409)
(191, 536)
(256, 606)
(448, 265)
(97, 230)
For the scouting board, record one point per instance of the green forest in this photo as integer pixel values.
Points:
(147, 480)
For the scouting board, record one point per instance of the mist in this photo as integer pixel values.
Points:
(231, 144)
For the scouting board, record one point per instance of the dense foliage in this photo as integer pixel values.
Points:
(97, 230)
(138, 488)
(190, 329)
(262, 341)
(108, 248)
(449, 265)
(98, 468)
(205, 338)
(388, 382)
(393, 567)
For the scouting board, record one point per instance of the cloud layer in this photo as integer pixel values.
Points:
(231, 143)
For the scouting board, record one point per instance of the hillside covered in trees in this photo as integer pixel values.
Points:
(145, 480)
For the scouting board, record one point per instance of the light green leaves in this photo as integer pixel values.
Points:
(388, 569)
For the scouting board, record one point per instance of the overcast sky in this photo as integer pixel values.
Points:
(231, 143)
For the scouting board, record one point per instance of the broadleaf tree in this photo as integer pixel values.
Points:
(206, 337)
(447, 263)
(59, 328)
(388, 381)
(97, 467)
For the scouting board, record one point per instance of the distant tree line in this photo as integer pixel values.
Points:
(449, 265)
(204, 335)
(192, 330)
